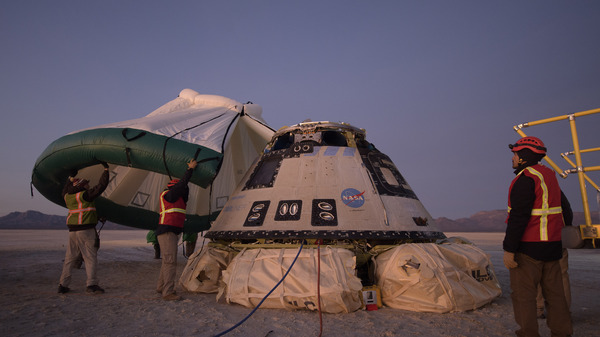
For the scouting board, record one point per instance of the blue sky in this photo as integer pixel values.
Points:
(438, 85)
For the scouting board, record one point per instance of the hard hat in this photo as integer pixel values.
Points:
(533, 143)
(172, 182)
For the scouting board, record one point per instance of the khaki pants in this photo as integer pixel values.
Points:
(564, 268)
(168, 247)
(81, 243)
(524, 281)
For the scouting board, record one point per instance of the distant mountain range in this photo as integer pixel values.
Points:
(486, 221)
(38, 220)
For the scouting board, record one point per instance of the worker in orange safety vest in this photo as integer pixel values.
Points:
(532, 243)
(173, 201)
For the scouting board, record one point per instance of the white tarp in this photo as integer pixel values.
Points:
(254, 272)
(212, 121)
(194, 118)
(429, 277)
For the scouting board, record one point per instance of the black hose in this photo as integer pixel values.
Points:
(264, 298)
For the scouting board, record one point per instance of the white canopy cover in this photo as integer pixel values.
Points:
(224, 135)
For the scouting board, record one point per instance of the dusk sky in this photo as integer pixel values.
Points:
(438, 85)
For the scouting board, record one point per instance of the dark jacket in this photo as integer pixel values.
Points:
(522, 198)
(179, 190)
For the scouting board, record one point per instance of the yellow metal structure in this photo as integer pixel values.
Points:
(588, 230)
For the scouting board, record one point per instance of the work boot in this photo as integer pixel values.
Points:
(172, 297)
(94, 290)
(63, 290)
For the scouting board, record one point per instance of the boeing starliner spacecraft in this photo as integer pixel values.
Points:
(324, 180)
(323, 185)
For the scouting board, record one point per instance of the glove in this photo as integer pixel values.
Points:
(509, 260)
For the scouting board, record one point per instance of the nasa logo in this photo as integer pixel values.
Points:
(353, 198)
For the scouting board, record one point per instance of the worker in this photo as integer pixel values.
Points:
(532, 243)
(84, 241)
(173, 201)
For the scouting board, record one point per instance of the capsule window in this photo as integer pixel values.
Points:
(264, 174)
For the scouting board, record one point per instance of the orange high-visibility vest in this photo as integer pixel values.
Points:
(171, 213)
(546, 221)
(81, 212)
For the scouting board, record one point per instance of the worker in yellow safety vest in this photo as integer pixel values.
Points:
(83, 238)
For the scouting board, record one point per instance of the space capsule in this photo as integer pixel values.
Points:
(322, 217)
(324, 180)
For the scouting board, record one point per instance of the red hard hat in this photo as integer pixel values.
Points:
(533, 143)
(172, 182)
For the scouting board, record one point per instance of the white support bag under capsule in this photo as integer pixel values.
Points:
(429, 277)
(254, 272)
(202, 272)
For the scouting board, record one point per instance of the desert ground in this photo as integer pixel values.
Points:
(31, 262)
